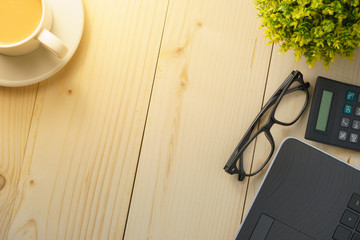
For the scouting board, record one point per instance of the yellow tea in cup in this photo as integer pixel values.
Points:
(18, 19)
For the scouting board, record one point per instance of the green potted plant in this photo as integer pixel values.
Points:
(320, 30)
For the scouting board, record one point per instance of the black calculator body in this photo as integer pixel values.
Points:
(335, 114)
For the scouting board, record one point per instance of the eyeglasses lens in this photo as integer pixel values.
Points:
(253, 160)
(292, 104)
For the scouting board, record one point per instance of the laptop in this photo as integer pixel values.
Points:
(306, 195)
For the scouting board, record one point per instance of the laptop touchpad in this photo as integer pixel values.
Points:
(268, 228)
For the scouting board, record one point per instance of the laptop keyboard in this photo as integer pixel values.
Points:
(349, 227)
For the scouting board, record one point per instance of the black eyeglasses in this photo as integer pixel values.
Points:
(290, 101)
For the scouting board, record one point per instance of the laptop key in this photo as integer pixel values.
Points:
(354, 203)
(342, 233)
(355, 237)
(358, 228)
(349, 219)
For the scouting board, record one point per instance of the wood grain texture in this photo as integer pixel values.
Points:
(16, 107)
(209, 80)
(281, 65)
(88, 123)
(130, 139)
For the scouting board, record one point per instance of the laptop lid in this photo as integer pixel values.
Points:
(305, 195)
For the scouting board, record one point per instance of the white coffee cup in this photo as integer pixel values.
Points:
(41, 36)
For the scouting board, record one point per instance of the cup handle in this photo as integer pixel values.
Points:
(52, 43)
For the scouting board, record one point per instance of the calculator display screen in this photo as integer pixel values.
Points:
(324, 110)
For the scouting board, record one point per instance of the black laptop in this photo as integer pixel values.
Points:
(306, 194)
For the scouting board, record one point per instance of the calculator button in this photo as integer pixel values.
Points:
(357, 111)
(347, 109)
(350, 96)
(345, 122)
(356, 124)
(354, 138)
(342, 135)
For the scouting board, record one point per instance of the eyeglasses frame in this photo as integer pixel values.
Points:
(275, 100)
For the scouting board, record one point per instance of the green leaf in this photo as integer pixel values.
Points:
(319, 30)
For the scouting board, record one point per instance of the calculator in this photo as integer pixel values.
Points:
(335, 114)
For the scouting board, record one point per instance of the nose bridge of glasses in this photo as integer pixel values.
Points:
(267, 126)
(266, 130)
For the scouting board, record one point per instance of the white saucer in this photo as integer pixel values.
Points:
(68, 24)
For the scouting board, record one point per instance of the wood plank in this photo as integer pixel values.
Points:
(88, 124)
(16, 108)
(209, 80)
(281, 66)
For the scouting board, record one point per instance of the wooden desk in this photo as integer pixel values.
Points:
(129, 140)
